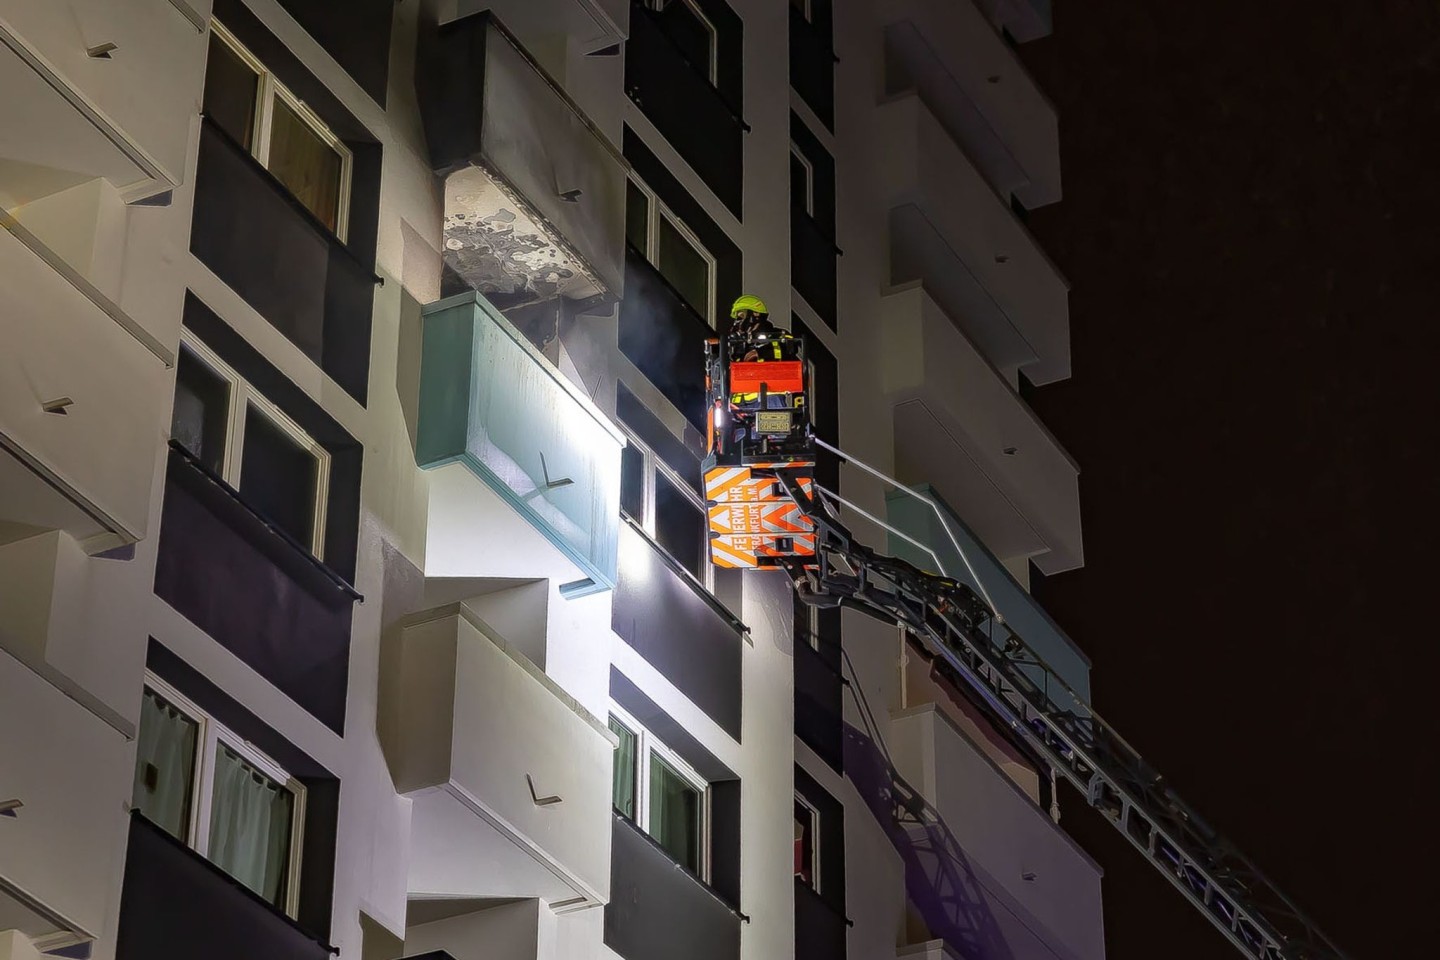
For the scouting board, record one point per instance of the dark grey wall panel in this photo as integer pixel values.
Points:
(819, 930)
(258, 596)
(812, 59)
(677, 632)
(176, 905)
(657, 911)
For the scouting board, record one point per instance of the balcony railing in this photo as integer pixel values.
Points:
(252, 232)
(812, 264)
(685, 107)
(490, 400)
(658, 910)
(221, 918)
(812, 65)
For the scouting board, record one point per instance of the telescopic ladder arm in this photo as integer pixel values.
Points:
(953, 624)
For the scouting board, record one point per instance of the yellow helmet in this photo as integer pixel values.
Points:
(747, 302)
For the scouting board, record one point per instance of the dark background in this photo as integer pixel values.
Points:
(1249, 227)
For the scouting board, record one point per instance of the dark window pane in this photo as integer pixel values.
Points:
(804, 845)
(202, 406)
(230, 92)
(632, 482)
(679, 526)
(305, 163)
(674, 814)
(692, 35)
(637, 217)
(623, 793)
(277, 476)
(799, 183)
(803, 6)
(165, 766)
(687, 270)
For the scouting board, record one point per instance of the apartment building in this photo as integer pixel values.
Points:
(354, 593)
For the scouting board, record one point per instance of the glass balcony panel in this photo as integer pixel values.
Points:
(489, 400)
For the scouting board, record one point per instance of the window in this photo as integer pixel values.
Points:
(803, 7)
(666, 507)
(219, 795)
(671, 248)
(662, 793)
(251, 444)
(802, 181)
(285, 136)
(691, 32)
(807, 847)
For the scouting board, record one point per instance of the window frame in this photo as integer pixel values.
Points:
(268, 89)
(713, 73)
(809, 201)
(241, 397)
(210, 733)
(647, 743)
(654, 465)
(805, 8)
(815, 851)
(653, 214)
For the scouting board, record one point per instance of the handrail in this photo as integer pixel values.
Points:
(88, 290)
(677, 568)
(945, 524)
(200, 467)
(719, 897)
(675, 47)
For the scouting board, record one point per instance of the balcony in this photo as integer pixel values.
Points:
(657, 910)
(1038, 893)
(703, 126)
(679, 628)
(978, 90)
(819, 927)
(220, 919)
(950, 229)
(482, 930)
(249, 229)
(82, 388)
(97, 89)
(813, 264)
(509, 778)
(1023, 614)
(961, 427)
(72, 775)
(663, 336)
(590, 25)
(812, 61)
(534, 192)
(525, 475)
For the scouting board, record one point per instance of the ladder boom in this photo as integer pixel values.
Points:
(953, 624)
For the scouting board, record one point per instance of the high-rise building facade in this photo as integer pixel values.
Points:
(354, 586)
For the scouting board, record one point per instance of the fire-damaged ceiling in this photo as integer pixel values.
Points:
(501, 248)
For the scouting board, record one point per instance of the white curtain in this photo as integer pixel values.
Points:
(250, 818)
(165, 765)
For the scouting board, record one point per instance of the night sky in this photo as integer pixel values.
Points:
(1251, 194)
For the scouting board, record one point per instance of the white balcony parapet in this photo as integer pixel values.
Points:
(509, 776)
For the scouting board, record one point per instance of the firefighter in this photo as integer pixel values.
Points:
(750, 322)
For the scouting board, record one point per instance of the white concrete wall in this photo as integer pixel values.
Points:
(1043, 886)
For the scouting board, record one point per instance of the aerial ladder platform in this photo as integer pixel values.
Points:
(766, 511)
